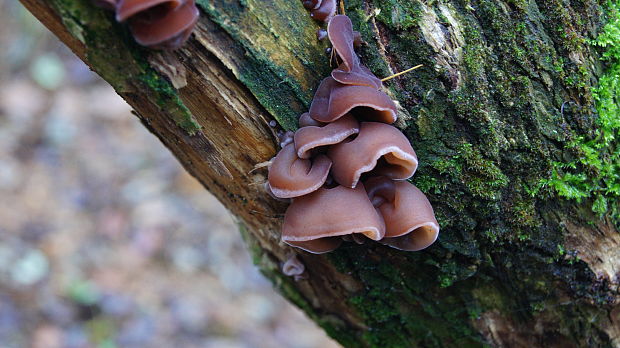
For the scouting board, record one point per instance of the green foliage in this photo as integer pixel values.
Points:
(595, 174)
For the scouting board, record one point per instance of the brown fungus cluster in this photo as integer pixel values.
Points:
(158, 24)
(347, 166)
(321, 10)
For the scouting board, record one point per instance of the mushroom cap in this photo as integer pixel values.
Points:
(169, 31)
(128, 8)
(312, 4)
(333, 100)
(409, 218)
(305, 120)
(357, 40)
(340, 33)
(293, 266)
(315, 222)
(317, 246)
(325, 11)
(359, 75)
(350, 72)
(290, 176)
(312, 137)
(379, 148)
(380, 189)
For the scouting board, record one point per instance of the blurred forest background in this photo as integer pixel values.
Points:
(105, 241)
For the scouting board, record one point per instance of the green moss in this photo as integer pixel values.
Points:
(566, 30)
(594, 173)
(482, 177)
(399, 14)
(168, 99)
(489, 298)
(396, 302)
(109, 56)
(474, 52)
(480, 148)
(284, 69)
(286, 286)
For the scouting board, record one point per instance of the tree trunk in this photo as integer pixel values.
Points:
(505, 89)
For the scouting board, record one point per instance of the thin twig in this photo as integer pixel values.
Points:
(271, 216)
(260, 165)
(402, 72)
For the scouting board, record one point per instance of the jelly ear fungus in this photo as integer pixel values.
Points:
(408, 215)
(346, 168)
(158, 24)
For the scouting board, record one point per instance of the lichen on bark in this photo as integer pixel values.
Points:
(593, 173)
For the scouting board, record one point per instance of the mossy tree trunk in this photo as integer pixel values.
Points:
(505, 88)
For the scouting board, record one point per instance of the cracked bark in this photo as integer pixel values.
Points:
(504, 89)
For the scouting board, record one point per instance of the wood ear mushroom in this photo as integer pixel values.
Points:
(345, 139)
(158, 24)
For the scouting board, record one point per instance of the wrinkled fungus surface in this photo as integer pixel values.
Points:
(379, 148)
(311, 138)
(312, 221)
(346, 168)
(158, 24)
(409, 218)
(333, 100)
(291, 176)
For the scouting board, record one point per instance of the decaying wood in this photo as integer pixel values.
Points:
(478, 130)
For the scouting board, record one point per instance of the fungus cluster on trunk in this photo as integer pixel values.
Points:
(321, 10)
(346, 167)
(158, 24)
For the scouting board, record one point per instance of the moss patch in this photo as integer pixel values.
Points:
(286, 286)
(284, 60)
(593, 173)
(483, 129)
(121, 62)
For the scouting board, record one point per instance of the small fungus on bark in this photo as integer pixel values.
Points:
(312, 4)
(293, 267)
(158, 24)
(305, 120)
(333, 100)
(409, 218)
(317, 221)
(351, 71)
(323, 10)
(290, 176)
(379, 148)
(126, 9)
(167, 29)
(310, 138)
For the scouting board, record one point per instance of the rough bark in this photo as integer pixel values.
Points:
(506, 86)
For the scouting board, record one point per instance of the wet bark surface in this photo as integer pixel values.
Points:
(504, 88)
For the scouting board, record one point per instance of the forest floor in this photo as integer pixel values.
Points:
(105, 241)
